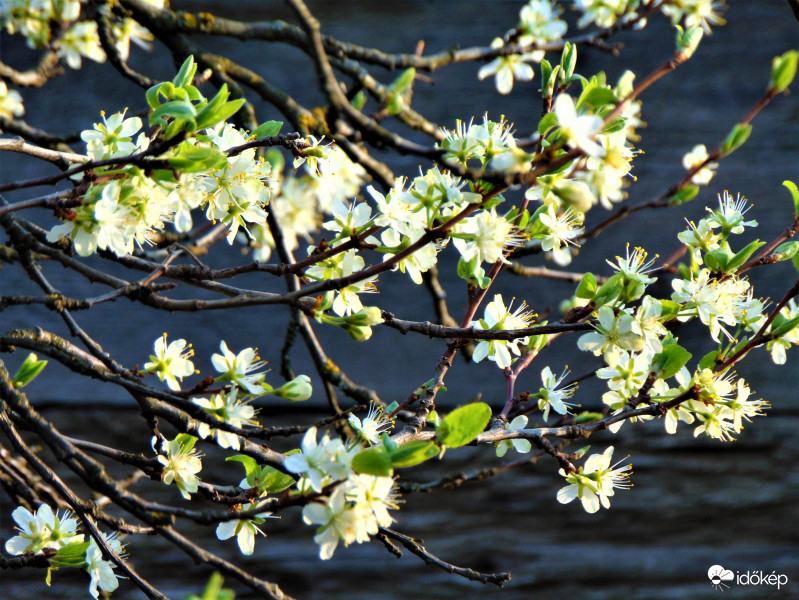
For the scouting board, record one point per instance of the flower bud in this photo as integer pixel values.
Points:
(358, 333)
(574, 194)
(687, 42)
(296, 390)
(366, 317)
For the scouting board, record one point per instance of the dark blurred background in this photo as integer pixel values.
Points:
(696, 502)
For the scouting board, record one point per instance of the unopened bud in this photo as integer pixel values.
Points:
(296, 390)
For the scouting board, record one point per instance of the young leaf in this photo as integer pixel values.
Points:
(669, 362)
(193, 159)
(568, 61)
(587, 287)
(736, 139)
(373, 461)
(250, 465)
(547, 123)
(273, 481)
(783, 70)
(783, 328)
(708, 360)
(794, 194)
(668, 310)
(186, 73)
(597, 97)
(359, 100)
(610, 290)
(463, 424)
(268, 129)
(181, 110)
(785, 251)
(28, 370)
(684, 194)
(743, 255)
(413, 453)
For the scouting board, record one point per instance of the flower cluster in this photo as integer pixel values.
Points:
(538, 23)
(126, 212)
(595, 482)
(10, 102)
(347, 506)
(42, 529)
(604, 13)
(45, 529)
(58, 25)
(352, 512)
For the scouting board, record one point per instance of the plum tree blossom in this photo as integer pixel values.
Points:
(497, 317)
(171, 362)
(520, 445)
(578, 130)
(595, 482)
(316, 209)
(181, 463)
(240, 368)
(697, 158)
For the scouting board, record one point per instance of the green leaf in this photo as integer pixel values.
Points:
(568, 61)
(783, 328)
(615, 125)
(373, 461)
(152, 94)
(413, 453)
(28, 370)
(463, 424)
(273, 481)
(785, 251)
(268, 129)
(581, 452)
(404, 81)
(587, 287)
(684, 194)
(186, 441)
(359, 100)
(668, 310)
(794, 194)
(549, 82)
(186, 73)
(546, 71)
(218, 109)
(587, 417)
(194, 159)
(181, 110)
(390, 444)
(736, 139)
(597, 97)
(716, 260)
(669, 362)
(250, 464)
(708, 360)
(214, 590)
(610, 290)
(783, 70)
(548, 122)
(395, 99)
(743, 255)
